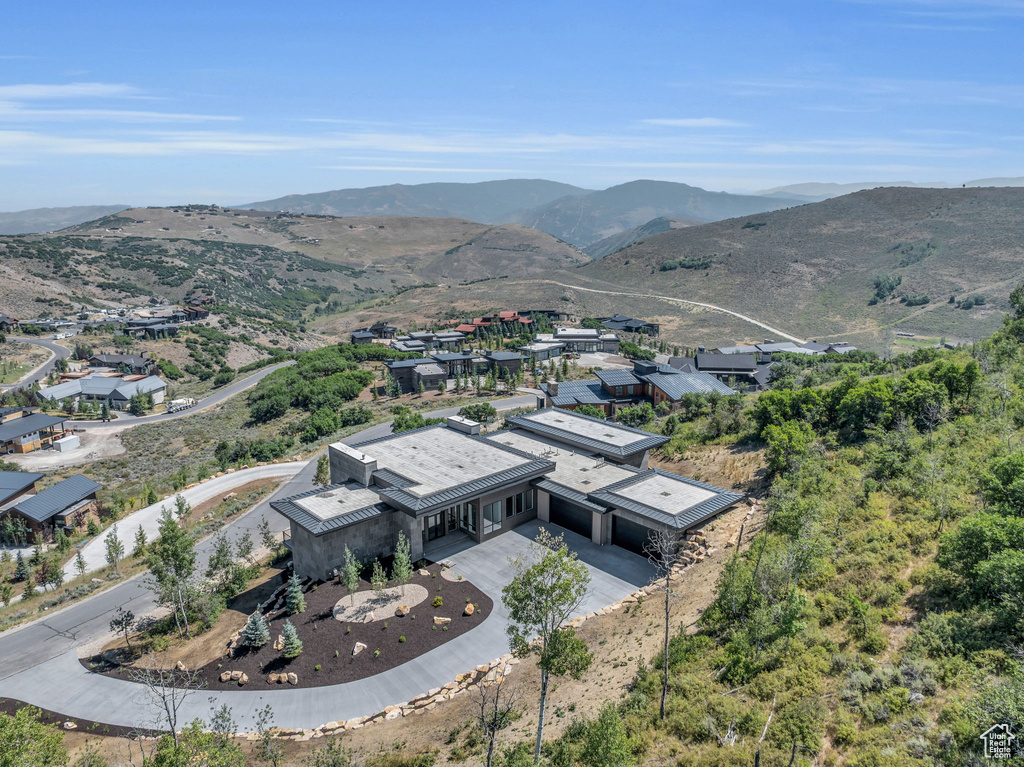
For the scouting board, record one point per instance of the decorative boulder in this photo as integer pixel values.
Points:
(236, 675)
(424, 572)
(180, 666)
(401, 611)
(226, 676)
(293, 679)
(439, 621)
(243, 679)
(358, 648)
(70, 726)
(470, 609)
(279, 643)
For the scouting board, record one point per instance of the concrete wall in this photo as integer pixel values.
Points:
(350, 464)
(315, 556)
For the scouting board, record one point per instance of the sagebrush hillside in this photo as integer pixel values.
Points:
(811, 269)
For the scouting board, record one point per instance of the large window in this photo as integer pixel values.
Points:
(492, 517)
(520, 502)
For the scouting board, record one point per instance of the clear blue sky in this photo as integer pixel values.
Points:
(231, 102)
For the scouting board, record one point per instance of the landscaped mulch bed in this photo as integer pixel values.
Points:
(88, 726)
(328, 643)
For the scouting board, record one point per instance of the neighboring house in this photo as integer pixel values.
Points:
(584, 474)
(408, 344)
(810, 347)
(630, 325)
(8, 323)
(508, 363)
(404, 372)
(460, 363)
(581, 340)
(68, 505)
(114, 390)
(151, 327)
(16, 484)
(552, 315)
(362, 337)
(746, 369)
(23, 430)
(541, 351)
(136, 364)
(449, 339)
(648, 381)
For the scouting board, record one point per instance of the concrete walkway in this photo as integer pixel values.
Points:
(94, 552)
(63, 682)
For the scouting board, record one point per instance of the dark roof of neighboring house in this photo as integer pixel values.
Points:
(683, 520)
(742, 363)
(114, 360)
(55, 499)
(14, 482)
(8, 410)
(452, 356)
(28, 424)
(579, 393)
(675, 385)
(363, 334)
(683, 364)
(502, 356)
(406, 363)
(617, 378)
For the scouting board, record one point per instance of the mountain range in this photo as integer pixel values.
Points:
(52, 219)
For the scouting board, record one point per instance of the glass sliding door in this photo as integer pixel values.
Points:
(492, 517)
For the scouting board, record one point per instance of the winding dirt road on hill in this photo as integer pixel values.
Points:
(745, 318)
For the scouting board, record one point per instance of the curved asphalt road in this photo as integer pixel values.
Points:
(127, 419)
(40, 373)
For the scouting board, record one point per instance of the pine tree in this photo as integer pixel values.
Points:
(294, 599)
(20, 568)
(322, 478)
(292, 643)
(442, 387)
(140, 543)
(60, 539)
(113, 547)
(92, 529)
(256, 632)
(105, 412)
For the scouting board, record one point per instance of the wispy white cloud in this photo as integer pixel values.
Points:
(14, 112)
(695, 122)
(40, 91)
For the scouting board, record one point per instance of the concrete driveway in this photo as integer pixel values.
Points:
(64, 684)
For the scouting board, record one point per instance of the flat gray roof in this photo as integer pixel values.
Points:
(19, 427)
(580, 471)
(440, 458)
(338, 499)
(582, 431)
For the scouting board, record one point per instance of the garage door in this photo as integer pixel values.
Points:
(629, 535)
(570, 516)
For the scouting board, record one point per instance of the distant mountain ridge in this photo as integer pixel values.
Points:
(584, 220)
(486, 202)
(617, 242)
(816, 191)
(52, 219)
(577, 216)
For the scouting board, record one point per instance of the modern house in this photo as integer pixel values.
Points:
(376, 330)
(116, 391)
(751, 370)
(8, 323)
(629, 325)
(135, 364)
(809, 347)
(23, 430)
(503, 363)
(362, 337)
(68, 505)
(542, 351)
(581, 340)
(445, 481)
(652, 382)
(460, 363)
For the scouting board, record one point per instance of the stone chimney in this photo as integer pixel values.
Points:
(552, 388)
